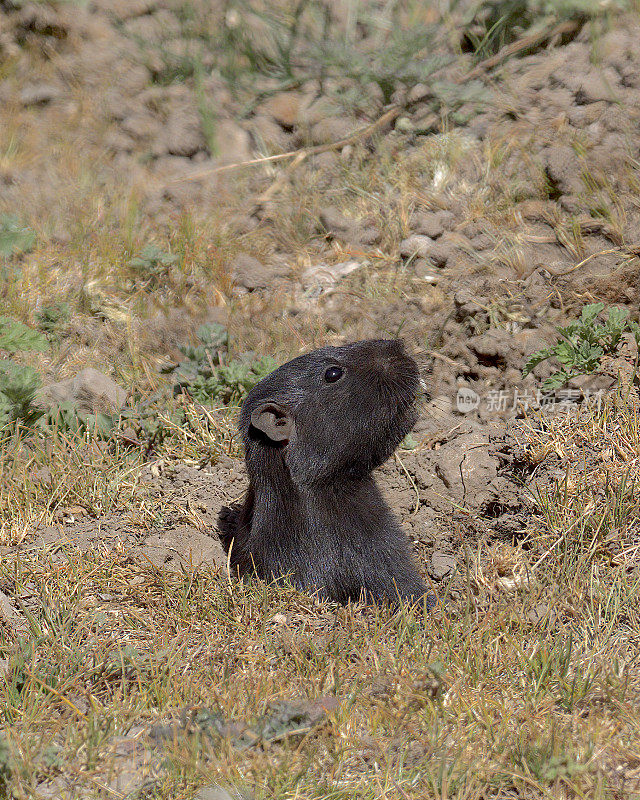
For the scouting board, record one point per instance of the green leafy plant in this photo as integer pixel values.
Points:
(409, 442)
(213, 337)
(235, 380)
(206, 376)
(66, 417)
(152, 263)
(15, 238)
(15, 336)
(18, 383)
(584, 342)
(18, 387)
(52, 317)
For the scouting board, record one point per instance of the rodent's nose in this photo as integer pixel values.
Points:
(394, 347)
(391, 351)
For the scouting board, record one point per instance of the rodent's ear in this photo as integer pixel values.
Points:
(274, 421)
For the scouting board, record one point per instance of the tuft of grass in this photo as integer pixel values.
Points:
(52, 318)
(370, 56)
(492, 24)
(589, 513)
(179, 430)
(207, 112)
(44, 475)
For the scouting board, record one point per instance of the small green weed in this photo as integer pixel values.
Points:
(18, 386)
(152, 263)
(15, 238)
(206, 376)
(52, 318)
(584, 342)
(235, 379)
(546, 766)
(66, 419)
(397, 59)
(18, 383)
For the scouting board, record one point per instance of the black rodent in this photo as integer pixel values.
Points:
(313, 431)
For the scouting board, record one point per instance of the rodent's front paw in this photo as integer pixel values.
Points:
(227, 525)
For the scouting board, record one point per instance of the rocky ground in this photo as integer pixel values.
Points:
(467, 239)
(470, 202)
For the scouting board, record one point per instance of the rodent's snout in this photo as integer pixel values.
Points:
(392, 348)
(390, 356)
(398, 372)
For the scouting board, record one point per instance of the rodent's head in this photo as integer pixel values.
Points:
(334, 413)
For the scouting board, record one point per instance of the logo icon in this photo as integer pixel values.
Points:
(467, 400)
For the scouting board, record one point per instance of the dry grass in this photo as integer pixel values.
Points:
(59, 475)
(590, 514)
(44, 479)
(101, 219)
(525, 688)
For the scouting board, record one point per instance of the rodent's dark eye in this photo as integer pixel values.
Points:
(333, 374)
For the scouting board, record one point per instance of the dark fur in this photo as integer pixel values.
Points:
(313, 511)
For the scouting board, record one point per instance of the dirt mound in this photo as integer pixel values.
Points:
(184, 536)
